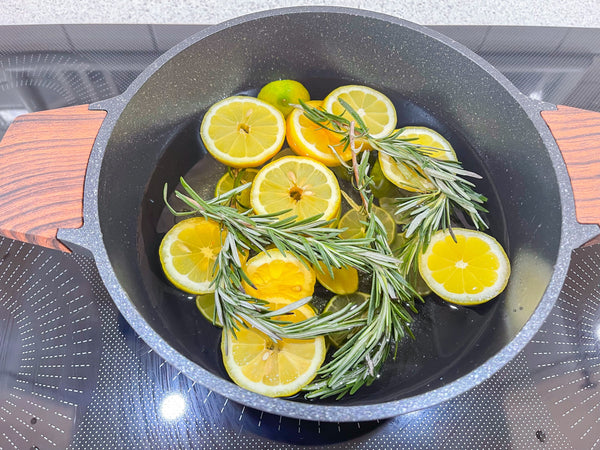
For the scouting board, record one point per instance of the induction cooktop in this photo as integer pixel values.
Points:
(73, 374)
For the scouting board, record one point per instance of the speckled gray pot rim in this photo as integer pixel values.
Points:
(89, 237)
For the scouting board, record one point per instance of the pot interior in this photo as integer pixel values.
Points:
(155, 141)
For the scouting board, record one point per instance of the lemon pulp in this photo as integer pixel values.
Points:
(302, 186)
(274, 274)
(470, 271)
(242, 131)
(275, 369)
(188, 253)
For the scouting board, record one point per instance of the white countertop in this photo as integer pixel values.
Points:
(566, 13)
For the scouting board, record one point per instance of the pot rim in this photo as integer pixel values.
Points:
(87, 239)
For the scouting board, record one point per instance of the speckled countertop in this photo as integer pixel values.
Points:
(566, 13)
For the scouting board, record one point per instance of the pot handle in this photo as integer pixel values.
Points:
(43, 161)
(577, 133)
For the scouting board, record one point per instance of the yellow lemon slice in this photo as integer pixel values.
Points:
(405, 177)
(229, 181)
(274, 274)
(304, 186)
(353, 221)
(242, 131)
(375, 109)
(470, 271)
(274, 369)
(344, 280)
(336, 303)
(307, 138)
(188, 252)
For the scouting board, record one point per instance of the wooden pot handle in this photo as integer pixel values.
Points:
(577, 133)
(43, 160)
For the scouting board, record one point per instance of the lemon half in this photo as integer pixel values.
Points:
(405, 177)
(374, 108)
(302, 185)
(274, 369)
(242, 131)
(470, 271)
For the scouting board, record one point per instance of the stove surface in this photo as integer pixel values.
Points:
(73, 374)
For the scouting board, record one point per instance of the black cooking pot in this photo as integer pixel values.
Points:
(149, 136)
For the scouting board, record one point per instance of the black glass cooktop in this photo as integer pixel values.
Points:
(73, 374)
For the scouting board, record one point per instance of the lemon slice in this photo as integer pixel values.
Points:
(242, 131)
(307, 138)
(274, 369)
(405, 177)
(375, 109)
(304, 186)
(206, 305)
(282, 94)
(188, 252)
(227, 182)
(353, 221)
(344, 280)
(336, 303)
(274, 274)
(470, 271)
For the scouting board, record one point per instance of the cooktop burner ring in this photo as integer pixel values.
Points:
(50, 345)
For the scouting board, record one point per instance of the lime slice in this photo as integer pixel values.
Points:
(389, 204)
(206, 305)
(353, 221)
(336, 303)
(380, 185)
(282, 94)
(231, 180)
(414, 278)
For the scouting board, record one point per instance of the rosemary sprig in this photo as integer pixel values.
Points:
(432, 210)
(428, 211)
(309, 239)
(359, 360)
